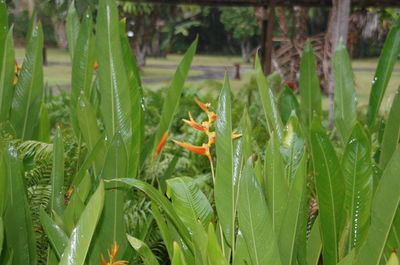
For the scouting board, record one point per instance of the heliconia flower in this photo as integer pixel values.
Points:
(16, 73)
(194, 124)
(236, 135)
(201, 150)
(204, 106)
(161, 144)
(112, 255)
(95, 65)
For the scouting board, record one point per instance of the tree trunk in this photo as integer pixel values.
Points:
(246, 50)
(60, 34)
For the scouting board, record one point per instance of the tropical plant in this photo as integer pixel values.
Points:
(106, 186)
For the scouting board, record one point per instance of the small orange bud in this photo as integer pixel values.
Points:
(161, 144)
(95, 65)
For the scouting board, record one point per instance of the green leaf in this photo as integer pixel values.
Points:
(255, 220)
(111, 227)
(393, 260)
(384, 206)
(386, 63)
(163, 227)
(79, 242)
(162, 201)
(391, 135)
(345, 111)
(330, 188)
(17, 218)
(90, 131)
(179, 258)
(275, 183)
(115, 104)
(29, 89)
(349, 259)
(224, 183)
(1, 234)
(72, 25)
(357, 171)
(293, 212)
(44, 125)
(174, 92)
(7, 68)
(137, 100)
(82, 66)
(268, 101)
(56, 202)
(214, 252)
(292, 147)
(310, 91)
(145, 252)
(3, 25)
(189, 202)
(393, 241)
(57, 237)
(314, 244)
(200, 241)
(288, 104)
(242, 255)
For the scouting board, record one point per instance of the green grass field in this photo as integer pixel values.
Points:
(59, 74)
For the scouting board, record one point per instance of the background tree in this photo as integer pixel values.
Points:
(242, 24)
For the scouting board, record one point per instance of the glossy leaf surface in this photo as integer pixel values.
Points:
(7, 67)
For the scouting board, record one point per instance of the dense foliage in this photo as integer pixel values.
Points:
(92, 177)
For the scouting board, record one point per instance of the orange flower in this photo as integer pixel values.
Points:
(194, 124)
(16, 73)
(201, 150)
(161, 144)
(95, 65)
(112, 255)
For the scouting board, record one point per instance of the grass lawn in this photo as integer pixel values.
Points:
(60, 74)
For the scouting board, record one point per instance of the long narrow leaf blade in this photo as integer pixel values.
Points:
(7, 61)
(255, 220)
(330, 187)
(386, 63)
(57, 176)
(54, 233)
(310, 91)
(28, 92)
(72, 26)
(79, 242)
(224, 183)
(345, 112)
(145, 252)
(384, 206)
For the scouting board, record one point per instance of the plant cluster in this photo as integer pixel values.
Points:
(107, 185)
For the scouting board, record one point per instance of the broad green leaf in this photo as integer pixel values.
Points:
(115, 104)
(330, 189)
(31, 25)
(293, 213)
(224, 182)
(189, 202)
(310, 91)
(255, 220)
(179, 258)
(349, 259)
(391, 135)
(288, 104)
(1, 234)
(72, 26)
(386, 63)
(3, 184)
(200, 241)
(3, 24)
(242, 255)
(57, 237)
(82, 66)
(357, 172)
(314, 244)
(163, 227)
(90, 132)
(163, 202)
(384, 206)
(174, 92)
(7, 68)
(275, 183)
(17, 218)
(72, 213)
(345, 110)
(137, 101)
(56, 202)
(44, 125)
(29, 89)
(292, 147)
(214, 252)
(393, 260)
(144, 251)
(79, 242)
(268, 101)
(393, 241)
(111, 226)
